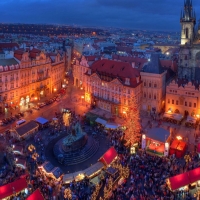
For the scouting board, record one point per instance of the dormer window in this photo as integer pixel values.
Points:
(137, 79)
(127, 81)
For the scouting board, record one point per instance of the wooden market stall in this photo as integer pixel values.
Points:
(20, 162)
(191, 122)
(181, 148)
(26, 130)
(42, 121)
(101, 121)
(175, 118)
(178, 148)
(13, 188)
(36, 195)
(94, 170)
(109, 156)
(184, 180)
(173, 147)
(156, 139)
(76, 176)
(178, 181)
(17, 149)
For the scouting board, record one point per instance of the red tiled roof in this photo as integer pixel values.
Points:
(115, 68)
(124, 48)
(169, 64)
(8, 45)
(91, 58)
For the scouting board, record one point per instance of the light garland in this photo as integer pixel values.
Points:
(108, 188)
(132, 124)
(68, 194)
(96, 192)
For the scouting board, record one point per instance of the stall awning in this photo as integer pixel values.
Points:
(174, 144)
(14, 187)
(101, 121)
(112, 125)
(36, 195)
(191, 119)
(158, 134)
(194, 175)
(26, 128)
(94, 168)
(41, 120)
(179, 181)
(181, 146)
(109, 156)
(48, 167)
(21, 163)
(57, 172)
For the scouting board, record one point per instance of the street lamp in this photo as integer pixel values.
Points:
(55, 89)
(82, 97)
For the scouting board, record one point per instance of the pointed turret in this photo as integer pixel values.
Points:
(188, 14)
(188, 21)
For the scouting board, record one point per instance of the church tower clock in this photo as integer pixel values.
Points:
(188, 21)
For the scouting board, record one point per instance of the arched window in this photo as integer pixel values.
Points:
(186, 33)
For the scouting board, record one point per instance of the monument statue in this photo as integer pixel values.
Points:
(75, 140)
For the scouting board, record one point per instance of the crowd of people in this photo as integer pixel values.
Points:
(148, 173)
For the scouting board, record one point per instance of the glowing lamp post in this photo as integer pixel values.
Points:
(82, 97)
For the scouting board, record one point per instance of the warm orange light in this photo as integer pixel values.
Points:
(81, 88)
(36, 98)
(82, 97)
(179, 137)
(54, 89)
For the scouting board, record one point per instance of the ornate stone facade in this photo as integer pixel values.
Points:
(27, 77)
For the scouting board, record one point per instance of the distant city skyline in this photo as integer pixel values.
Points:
(132, 14)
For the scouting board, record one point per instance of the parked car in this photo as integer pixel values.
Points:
(21, 114)
(5, 121)
(20, 122)
(36, 107)
(1, 123)
(58, 99)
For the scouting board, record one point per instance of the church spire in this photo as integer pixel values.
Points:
(188, 14)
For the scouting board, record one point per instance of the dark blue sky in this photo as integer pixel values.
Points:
(133, 14)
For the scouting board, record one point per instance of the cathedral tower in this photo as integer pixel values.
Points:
(188, 21)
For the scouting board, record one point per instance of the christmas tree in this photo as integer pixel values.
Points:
(132, 123)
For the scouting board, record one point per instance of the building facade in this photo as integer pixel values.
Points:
(110, 85)
(183, 98)
(154, 85)
(29, 76)
(182, 94)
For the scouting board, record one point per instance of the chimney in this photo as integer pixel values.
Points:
(133, 64)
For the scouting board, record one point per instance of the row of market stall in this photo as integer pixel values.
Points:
(177, 118)
(91, 172)
(19, 186)
(106, 124)
(184, 180)
(158, 140)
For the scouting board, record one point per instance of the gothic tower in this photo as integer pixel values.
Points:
(188, 21)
